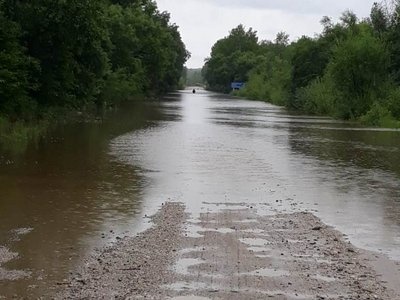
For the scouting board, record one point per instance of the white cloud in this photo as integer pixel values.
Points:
(203, 22)
(299, 7)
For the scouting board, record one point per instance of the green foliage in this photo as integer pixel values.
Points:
(15, 67)
(379, 19)
(359, 68)
(15, 136)
(270, 80)
(255, 88)
(309, 58)
(319, 97)
(350, 71)
(393, 42)
(380, 116)
(119, 86)
(393, 102)
(80, 53)
(231, 59)
(194, 77)
(67, 38)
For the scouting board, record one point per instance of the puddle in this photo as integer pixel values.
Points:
(277, 294)
(269, 273)
(219, 230)
(190, 298)
(315, 258)
(277, 219)
(258, 242)
(256, 245)
(294, 241)
(193, 230)
(254, 231)
(258, 249)
(228, 204)
(259, 255)
(286, 295)
(324, 261)
(187, 286)
(191, 250)
(246, 221)
(182, 265)
(324, 278)
(196, 231)
(193, 221)
(225, 230)
(290, 296)
(235, 209)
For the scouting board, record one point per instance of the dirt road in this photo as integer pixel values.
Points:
(234, 253)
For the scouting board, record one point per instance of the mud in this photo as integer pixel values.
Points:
(233, 254)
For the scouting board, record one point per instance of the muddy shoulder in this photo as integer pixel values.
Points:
(234, 253)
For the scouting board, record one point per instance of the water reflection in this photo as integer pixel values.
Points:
(87, 184)
(363, 169)
(73, 196)
(219, 149)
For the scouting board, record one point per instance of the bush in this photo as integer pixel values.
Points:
(270, 81)
(15, 136)
(379, 116)
(256, 88)
(393, 102)
(319, 97)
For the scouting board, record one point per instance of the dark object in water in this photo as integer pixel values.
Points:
(194, 91)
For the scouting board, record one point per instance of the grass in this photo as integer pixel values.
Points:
(15, 136)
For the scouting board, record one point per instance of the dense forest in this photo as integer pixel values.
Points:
(350, 71)
(82, 54)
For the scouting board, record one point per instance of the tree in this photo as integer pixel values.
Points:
(359, 68)
(87, 52)
(282, 39)
(379, 19)
(351, 70)
(231, 59)
(309, 58)
(15, 71)
(349, 19)
(393, 41)
(67, 38)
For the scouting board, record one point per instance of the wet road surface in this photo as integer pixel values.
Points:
(86, 185)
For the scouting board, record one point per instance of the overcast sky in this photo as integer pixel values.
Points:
(203, 22)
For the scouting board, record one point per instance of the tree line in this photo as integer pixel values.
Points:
(351, 70)
(80, 54)
(193, 77)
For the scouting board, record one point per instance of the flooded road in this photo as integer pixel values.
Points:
(87, 185)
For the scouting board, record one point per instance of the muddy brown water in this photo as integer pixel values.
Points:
(85, 185)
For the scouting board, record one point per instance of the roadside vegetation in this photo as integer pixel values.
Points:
(194, 77)
(351, 70)
(58, 57)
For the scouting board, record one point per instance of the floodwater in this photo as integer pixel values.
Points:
(85, 185)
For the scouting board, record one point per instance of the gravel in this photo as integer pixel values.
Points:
(231, 254)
